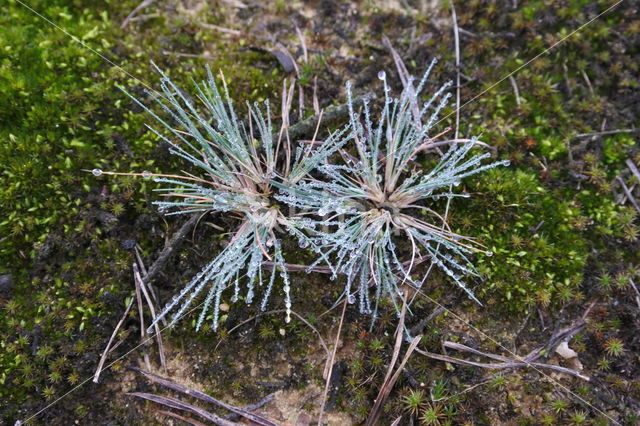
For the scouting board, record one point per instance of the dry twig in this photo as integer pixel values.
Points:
(628, 193)
(107, 349)
(255, 418)
(332, 113)
(515, 89)
(329, 365)
(633, 169)
(179, 417)
(607, 132)
(140, 284)
(170, 249)
(635, 289)
(179, 405)
(505, 364)
(391, 377)
(134, 12)
(251, 407)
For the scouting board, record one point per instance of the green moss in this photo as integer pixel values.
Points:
(536, 249)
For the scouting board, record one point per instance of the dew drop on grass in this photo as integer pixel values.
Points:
(146, 174)
(96, 172)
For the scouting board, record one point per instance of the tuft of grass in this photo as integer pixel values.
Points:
(237, 169)
(378, 196)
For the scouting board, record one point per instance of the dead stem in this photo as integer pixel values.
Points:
(329, 365)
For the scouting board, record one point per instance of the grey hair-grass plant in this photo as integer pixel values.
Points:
(373, 195)
(351, 211)
(237, 173)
